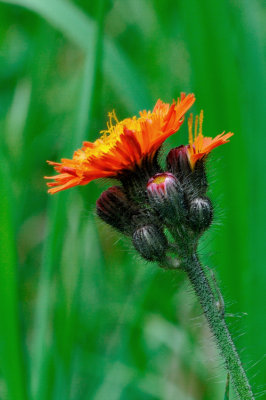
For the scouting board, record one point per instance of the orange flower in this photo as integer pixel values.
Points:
(201, 146)
(122, 146)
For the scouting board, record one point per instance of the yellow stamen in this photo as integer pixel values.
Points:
(200, 122)
(196, 140)
(190, 125)
(196, 132)
(112, 118)
(200, 135)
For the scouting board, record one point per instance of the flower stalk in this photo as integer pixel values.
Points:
(217, 324)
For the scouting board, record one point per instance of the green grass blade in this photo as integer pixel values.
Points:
(41, 347)
(11, 362)
(81, 29)
(251, 29)
(56, 233)
(73, 256)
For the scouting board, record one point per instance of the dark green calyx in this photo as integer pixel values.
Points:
(150, 242)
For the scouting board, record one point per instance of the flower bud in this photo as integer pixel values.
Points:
(150, 242)
(114, 208)
(194, 178)
(200, 214)
(178, 162)
(166, 196)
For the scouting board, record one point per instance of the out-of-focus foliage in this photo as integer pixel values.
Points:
(81, 316)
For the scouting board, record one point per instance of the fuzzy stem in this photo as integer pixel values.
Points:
(218, 326)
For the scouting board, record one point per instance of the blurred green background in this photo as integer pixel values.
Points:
(81, 316)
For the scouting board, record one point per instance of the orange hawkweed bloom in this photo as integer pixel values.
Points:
(123, 146)
(200, 146)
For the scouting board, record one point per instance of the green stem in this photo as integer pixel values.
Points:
(218, 327)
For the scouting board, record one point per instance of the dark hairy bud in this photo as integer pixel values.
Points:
(178, 163)
(166, 196)
(150, 242)
(200, 214)
(114, 208)
(193, 179)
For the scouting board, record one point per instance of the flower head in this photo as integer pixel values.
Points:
(122, 146)
(200, 146)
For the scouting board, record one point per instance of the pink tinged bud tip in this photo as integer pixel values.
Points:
(161, 183)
